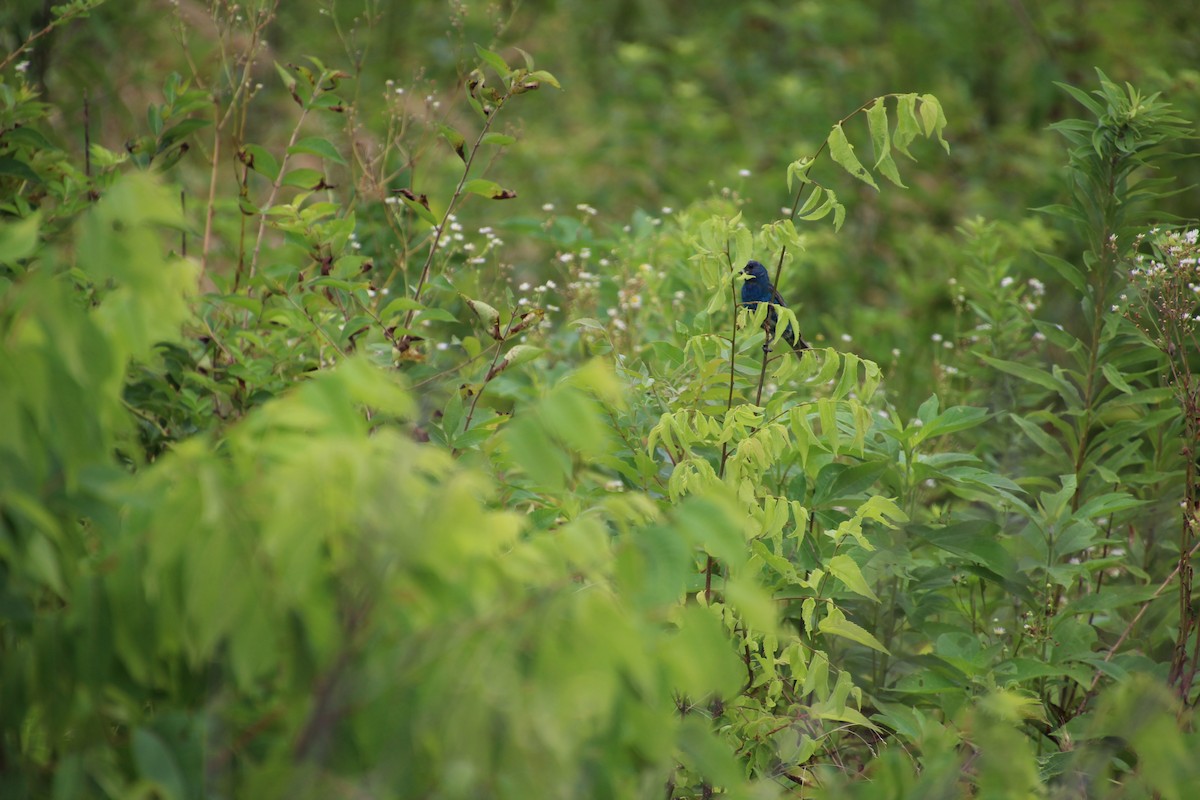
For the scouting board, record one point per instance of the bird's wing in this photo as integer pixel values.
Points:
(776, 297)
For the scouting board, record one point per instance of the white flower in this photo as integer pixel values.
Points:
(937, 337)
(524, 287)
(1006, 281)
(547, 206)
(745, 173)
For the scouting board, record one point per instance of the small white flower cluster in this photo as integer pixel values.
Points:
(1031, 300)
(1168, 282)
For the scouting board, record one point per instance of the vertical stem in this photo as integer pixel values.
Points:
(211, 211)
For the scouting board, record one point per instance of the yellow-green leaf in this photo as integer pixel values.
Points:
(836, 624)
(843, 153)
(845, 569)
(488, 189)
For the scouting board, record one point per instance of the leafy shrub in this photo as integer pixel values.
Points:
(311, 490)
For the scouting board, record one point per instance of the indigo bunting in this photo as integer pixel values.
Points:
(758, 289)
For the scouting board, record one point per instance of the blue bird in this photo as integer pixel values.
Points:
(758, 289)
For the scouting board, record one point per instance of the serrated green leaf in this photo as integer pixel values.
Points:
(836, 624)
(908, 127)
(933, 120)
(877, 123)
(846, 570)
(842, 153)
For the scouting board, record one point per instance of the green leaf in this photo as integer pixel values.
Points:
(181, 130)
(753, 602)
(488, 315)
(455, 139)
(1038, 436)
(257, 158)
(316, 146)
(303, 178)
(494, 61)
(952, 420)
(1115, 378)
(499, 139)
(1036, 376)
(843, 154)
(541, 76)
(877, 123)
(1068, 271)
(156, 763)
(701, 654)
(836, 624)
(846, 569)
(933, 120)
(19, 239)
(974, 540)
(713, 526)
(908, 127)
(521, 354)
(531, 447)
(418, 208)
(488, 189)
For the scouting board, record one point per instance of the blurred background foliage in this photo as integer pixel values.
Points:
(668, 102)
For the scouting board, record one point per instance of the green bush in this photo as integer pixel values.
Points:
(331, 466)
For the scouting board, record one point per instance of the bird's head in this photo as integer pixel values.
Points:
(756, 272)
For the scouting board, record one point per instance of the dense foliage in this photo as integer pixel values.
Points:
(349, 449)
